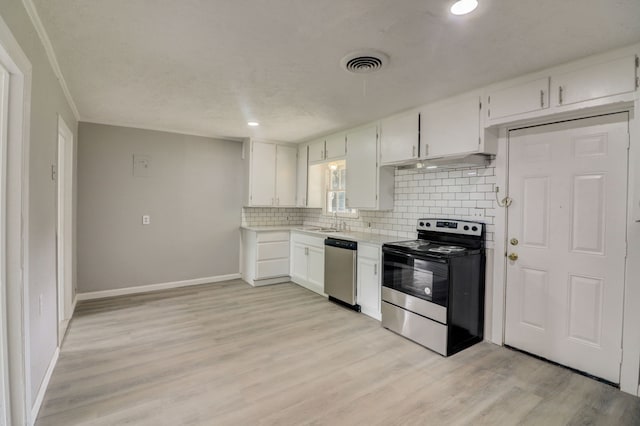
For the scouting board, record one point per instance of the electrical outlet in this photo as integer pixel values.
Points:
(476, 213)
(146, 219)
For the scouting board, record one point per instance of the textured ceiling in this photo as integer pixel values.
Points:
(209, 66)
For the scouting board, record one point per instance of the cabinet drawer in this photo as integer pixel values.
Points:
(275, 250)
(370, 252)
(309, 240)
(273, 236)
(272, 268)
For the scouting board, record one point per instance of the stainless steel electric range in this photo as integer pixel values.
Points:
(433, 287)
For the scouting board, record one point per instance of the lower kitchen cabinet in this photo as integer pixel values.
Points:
(265, 257)
(368, 280)
(307, 261)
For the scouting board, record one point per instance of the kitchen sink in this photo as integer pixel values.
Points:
(317, 229)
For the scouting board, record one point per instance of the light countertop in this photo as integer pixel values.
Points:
(361, 237)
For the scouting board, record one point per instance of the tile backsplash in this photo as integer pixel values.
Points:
(455, 194)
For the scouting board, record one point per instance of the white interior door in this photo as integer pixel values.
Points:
(65, 224)
(564, 301)
(4, 367)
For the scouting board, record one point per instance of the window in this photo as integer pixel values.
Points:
(335, 190)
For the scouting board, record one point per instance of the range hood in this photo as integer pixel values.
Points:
(450, 162)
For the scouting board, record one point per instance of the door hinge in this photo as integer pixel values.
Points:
(637, 61)
(54, 172)
(480, 105)
(637, 82)
(479, 141)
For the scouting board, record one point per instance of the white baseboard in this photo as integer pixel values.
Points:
(154, 287)
(269, 281)
(35, 409)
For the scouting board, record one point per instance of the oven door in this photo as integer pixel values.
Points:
(420, 276)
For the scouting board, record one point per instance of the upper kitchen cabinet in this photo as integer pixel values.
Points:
(329, 148)
(518, 99)
(271, 174)
(303, 173)
(335, 146)
(368, 186)
(610, 78)
(316, 151)
(452, 128)
(400, 138)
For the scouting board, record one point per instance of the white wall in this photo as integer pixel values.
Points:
(193, 194)
(46, 103)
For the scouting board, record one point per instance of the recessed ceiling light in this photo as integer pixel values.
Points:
(253, 123)
(462, 7)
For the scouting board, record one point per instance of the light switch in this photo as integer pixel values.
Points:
(146, 219)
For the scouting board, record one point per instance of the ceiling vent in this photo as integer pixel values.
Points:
(364, 61)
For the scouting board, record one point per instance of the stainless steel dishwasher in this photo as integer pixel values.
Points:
(340, 263)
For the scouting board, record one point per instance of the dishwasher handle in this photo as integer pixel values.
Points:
(343, 244)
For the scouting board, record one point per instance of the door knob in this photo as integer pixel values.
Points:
(513, 256)
(514, 241)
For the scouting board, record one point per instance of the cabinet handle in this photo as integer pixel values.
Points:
(306, 251)
(541, 98)
(560, 91)
(326, 154)
(413, 151)
(375, 269)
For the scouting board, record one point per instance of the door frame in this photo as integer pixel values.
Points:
(64, 227)
(630, 366)
(16, 223)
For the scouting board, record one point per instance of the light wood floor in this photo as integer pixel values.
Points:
(230, 354)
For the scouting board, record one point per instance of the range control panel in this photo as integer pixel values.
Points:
(451, 226)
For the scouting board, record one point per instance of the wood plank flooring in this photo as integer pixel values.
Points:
(230, 354)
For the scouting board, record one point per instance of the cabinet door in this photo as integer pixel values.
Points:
(362, 168)
(334, 146)
(315, 271)
(263, 174)
(451, 129)
(527, 97)
(315, 185)
(299, 264)
(286, 177)
(369, 287)
(399, 138)
(303, 166)
(316, 151)
(597, 81)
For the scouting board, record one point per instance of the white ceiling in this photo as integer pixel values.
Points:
(209, 66)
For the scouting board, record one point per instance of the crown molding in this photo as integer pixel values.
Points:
(48, 47)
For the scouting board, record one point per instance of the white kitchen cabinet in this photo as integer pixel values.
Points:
(315, 185)
(335, 146)
(368, 281)
(451, 128)
(316, 151)
(286, 175)
(400, 138)
(303, 171)
(270, 175)
(519, 99)
(327, 148)
(307, 261)
(368, 187)
(265, 257)
(609, 78)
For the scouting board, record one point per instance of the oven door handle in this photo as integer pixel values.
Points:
(412, 256)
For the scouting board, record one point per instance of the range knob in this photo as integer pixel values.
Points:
(475, 228)
(428, 224)
(421, 223)
(466, 227)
